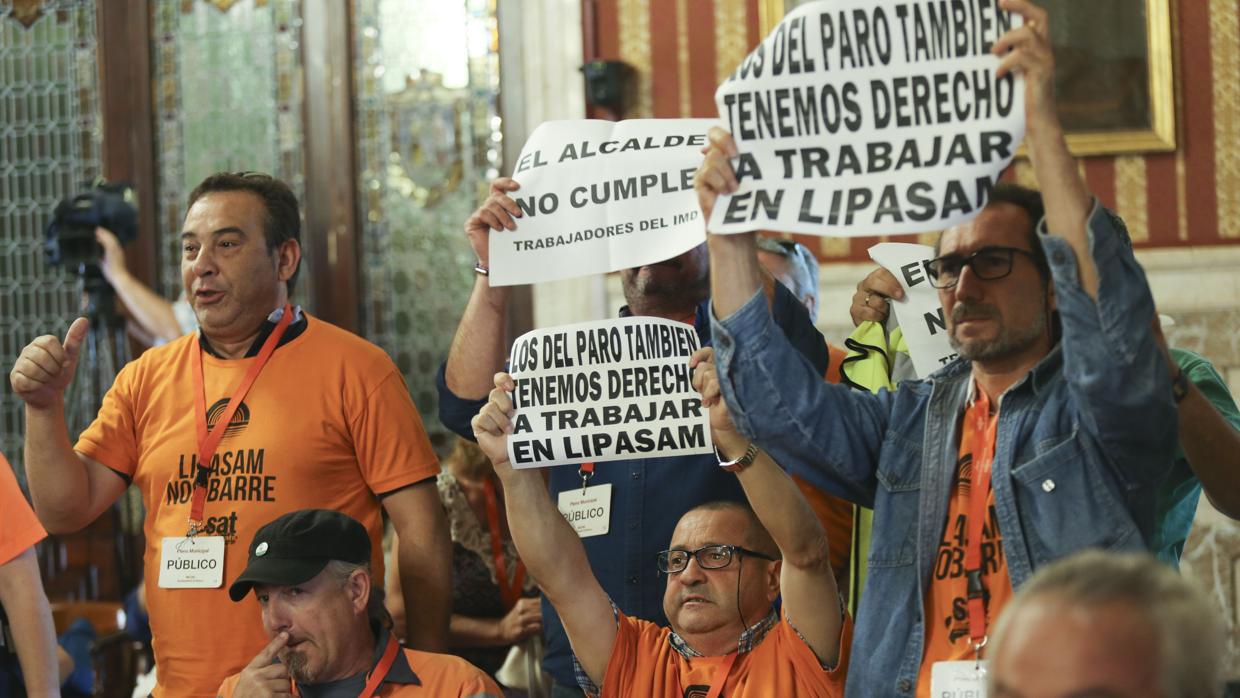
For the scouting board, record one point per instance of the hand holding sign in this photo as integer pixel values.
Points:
(1026, 50)
(874, 292)
(862, 116)
(715, 176)
(496, 213)
(493, 423)
(706, 382)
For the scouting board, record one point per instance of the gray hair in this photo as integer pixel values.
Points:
(376, 609)
(802, 268)
(1178, 613)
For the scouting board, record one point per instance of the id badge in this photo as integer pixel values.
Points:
(192, 563)
(588, 511)
(960, 679)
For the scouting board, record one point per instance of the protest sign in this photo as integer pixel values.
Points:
(600, 391)
(599, 196)
(920, 314)
(862, 117)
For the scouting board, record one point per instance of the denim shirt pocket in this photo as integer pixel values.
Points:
(1068, 503)
(894, 542)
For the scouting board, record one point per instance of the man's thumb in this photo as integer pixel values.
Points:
(74, 338)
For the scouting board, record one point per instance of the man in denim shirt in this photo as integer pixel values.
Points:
(1071, 431)
(649, 495)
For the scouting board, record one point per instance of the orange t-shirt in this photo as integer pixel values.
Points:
(327, 424)
(644, 663)
(947, 615)
(439, 675)
(19, 527)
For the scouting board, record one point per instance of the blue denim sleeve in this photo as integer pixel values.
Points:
(456, 412)
(828, 434)
(792, 317)
(1114, 369)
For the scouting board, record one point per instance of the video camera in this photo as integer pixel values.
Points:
(71, 234)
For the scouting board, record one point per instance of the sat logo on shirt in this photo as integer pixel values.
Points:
(240, 419)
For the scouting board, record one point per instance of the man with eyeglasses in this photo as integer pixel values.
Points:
(265, 410)
(1049, 435)
(726, 565)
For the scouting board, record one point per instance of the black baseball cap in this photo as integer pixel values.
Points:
(294, 548)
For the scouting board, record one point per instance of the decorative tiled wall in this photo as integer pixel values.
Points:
(49, 149)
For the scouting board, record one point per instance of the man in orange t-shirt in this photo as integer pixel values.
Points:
(330, 632)
(326, 421)
(725, 567)
(21, 593)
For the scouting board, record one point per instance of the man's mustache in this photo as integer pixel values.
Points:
(975, 311)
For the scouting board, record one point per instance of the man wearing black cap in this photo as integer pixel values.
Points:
(330, 633)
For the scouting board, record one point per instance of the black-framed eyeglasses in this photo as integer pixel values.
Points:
(709, 557)
(988, 263)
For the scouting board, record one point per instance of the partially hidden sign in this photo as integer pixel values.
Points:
(607, 390)
(920, 314)
(863, 117)
(600, 196)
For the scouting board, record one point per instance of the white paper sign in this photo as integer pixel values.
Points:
(191, 563)
(960, 679)
(608, 390)
(588, 511)
(920, 314)
(859, 117)
(599, 196)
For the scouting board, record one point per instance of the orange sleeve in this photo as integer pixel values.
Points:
(807, 661)
(19, 527)
(392, 447)
(112, 438)
(835, 363)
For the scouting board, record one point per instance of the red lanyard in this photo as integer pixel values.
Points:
(721, 675)
(209, 441)
(376, 676)
(586, 471)
(983, 452)
(508, 592)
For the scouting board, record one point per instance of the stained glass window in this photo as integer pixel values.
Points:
(228, 96)
(428, 142)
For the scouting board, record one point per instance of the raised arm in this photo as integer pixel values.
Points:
(1026, 50)
(68, 489)
(479, 346)
(807, 584)
(151, 310)
(550, 548)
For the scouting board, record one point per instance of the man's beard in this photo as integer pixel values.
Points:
(1008, 342)
(295, 662)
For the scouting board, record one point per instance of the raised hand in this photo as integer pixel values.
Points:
(493, 423)
(716, 175)
(496, 213)
(46, 366)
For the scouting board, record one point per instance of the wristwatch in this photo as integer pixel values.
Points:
(480, 268)
(741, 463)
(1179, 385)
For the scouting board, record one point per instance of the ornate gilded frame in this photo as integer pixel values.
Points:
(1158, 135)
